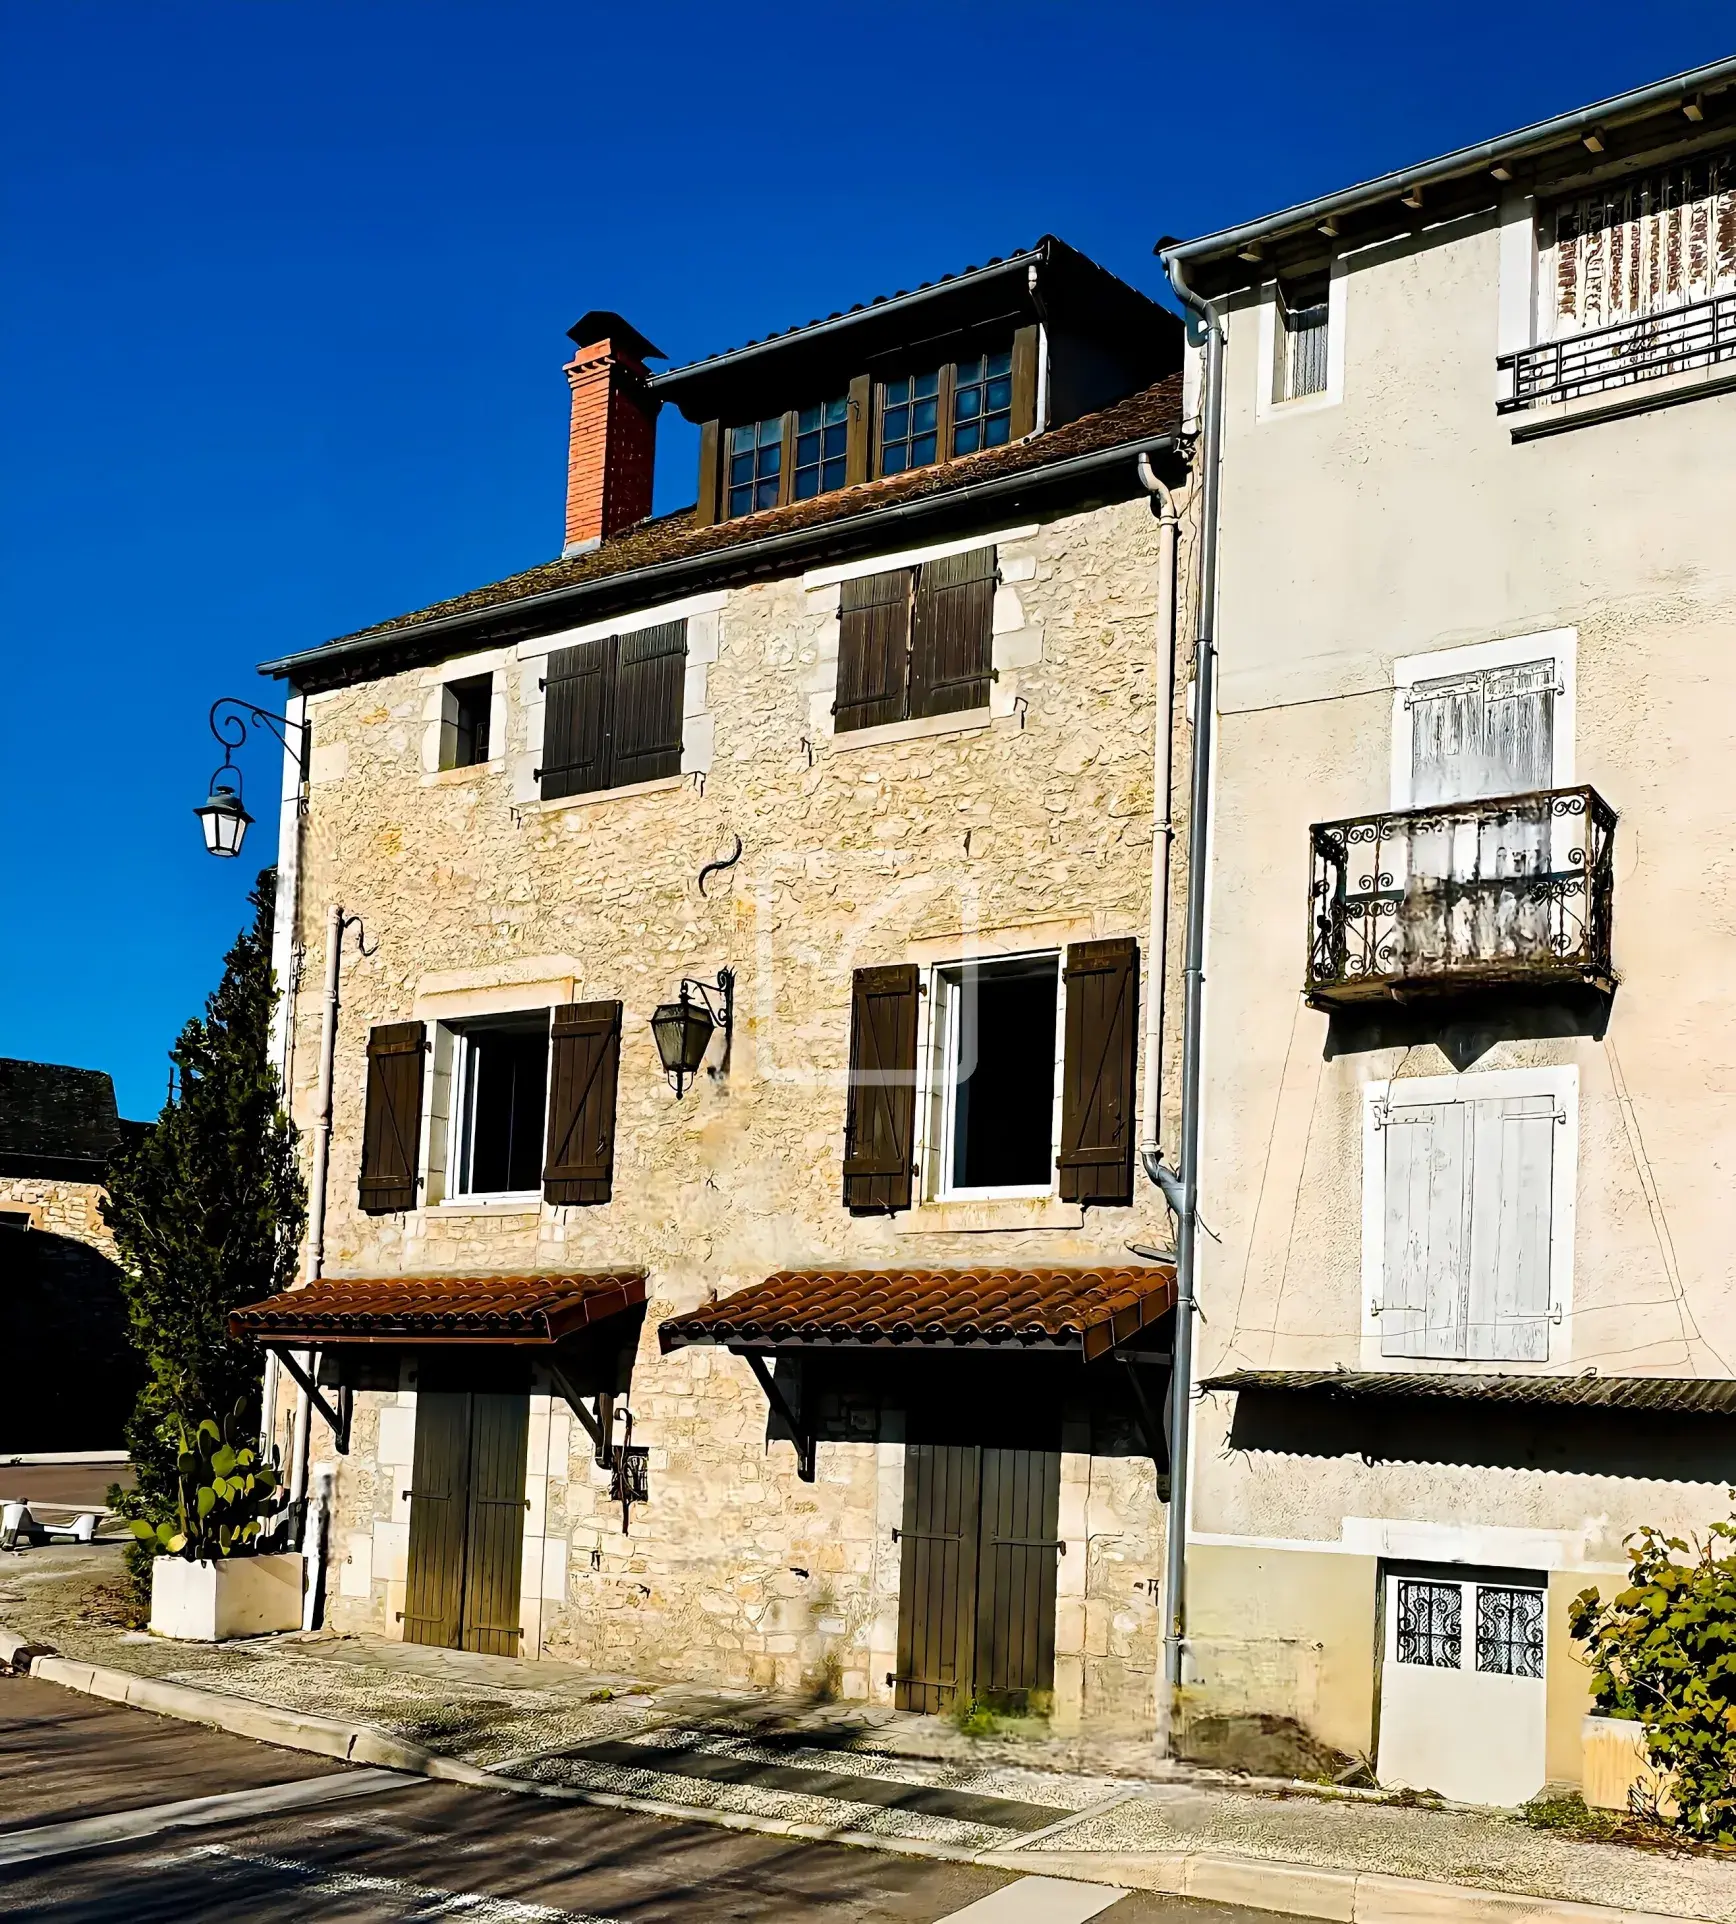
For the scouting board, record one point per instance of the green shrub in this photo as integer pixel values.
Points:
(1663, 1651)
(226, 1496)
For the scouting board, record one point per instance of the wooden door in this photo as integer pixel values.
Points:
(976, 1598)
(1016, 1563)
(467, 1506)
(439, 1487)
(494, 1546)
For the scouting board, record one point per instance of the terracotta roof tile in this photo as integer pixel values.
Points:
(1088, 1310)
(1667, 1395)
(1152, 412)
(449, 1308)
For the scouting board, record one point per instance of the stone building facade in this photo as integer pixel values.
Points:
(797, 854)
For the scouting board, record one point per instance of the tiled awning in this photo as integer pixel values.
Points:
(1085, 1312)
(524, 1310)
(1661, 1395)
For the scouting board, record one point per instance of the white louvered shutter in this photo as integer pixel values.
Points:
(1423, 1283)
(1512, 1190)
(1487, 733)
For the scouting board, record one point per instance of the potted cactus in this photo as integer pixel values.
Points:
(210, 1580)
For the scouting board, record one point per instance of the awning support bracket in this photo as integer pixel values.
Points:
(339, 1419)
(599, 1428)
(803, 1437)
(1151, 1428)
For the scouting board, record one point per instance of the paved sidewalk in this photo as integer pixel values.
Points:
(750, 1760)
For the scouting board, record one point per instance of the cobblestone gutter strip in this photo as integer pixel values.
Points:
(1346, 1897)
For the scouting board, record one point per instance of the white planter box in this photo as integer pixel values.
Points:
(1616, 1762)
(232, 1597)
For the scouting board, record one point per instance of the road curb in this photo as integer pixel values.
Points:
(1268, 1884)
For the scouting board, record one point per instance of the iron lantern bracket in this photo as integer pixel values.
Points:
(231, 719)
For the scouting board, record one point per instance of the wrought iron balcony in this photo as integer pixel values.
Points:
(1700, 334)
(1515, 891)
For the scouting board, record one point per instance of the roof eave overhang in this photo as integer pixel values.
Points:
(637, 587)
(957, 290)
(1214, 261)
(878, 1345)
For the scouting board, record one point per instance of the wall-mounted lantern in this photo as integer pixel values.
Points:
(222, 815)
(684, 1028)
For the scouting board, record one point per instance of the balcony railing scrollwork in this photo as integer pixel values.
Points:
(1516, 890)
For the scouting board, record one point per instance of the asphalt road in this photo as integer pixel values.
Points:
(104, 1814)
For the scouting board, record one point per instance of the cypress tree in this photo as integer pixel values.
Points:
(207, 1211)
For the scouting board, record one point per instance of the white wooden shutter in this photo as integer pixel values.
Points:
(1511, 1190)
(1491, 732)
(1423, 1281)
(1654, 242)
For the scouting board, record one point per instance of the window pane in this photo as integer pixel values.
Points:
(506, 1081)
(1003, 1075)
(1509, 1632)
(922, 450)
(1305, 351)
(982, 407)
(822, 431)
(927, 383)
(1430, 1624)
(756, 456)
(909, 422)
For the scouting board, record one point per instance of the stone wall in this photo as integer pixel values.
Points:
(61, 1208)
(1027, 825)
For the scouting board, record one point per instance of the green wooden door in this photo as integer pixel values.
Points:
(494, 1547)
(439, 1492)
(976, 1593)
(467, 1508)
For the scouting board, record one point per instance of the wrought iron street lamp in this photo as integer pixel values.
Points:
(684, 1028)
(223, 815)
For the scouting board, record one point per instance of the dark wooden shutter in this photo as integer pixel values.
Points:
(859, 437)
(1017, 1550)
(583, 1069)
(952, 633)
(439, 1494)
(392, 1126)
(1097, 1119)
(576, 695)
(650, 679)
(494, 1526)
(879, 1128)
(705, 511)
(873, 650)
(937, 1579)
(1026, 347)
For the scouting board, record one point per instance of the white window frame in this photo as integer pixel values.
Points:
(1561, 1085)
(451, 1079)
(1267, 405)
(1562, 644)
(436, 681)
(936, 1105)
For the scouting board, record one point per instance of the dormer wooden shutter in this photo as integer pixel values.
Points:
(873, 650)
(576, 696)
(650, 680)
(1097, 1093)
(952, 633)
(392, 1125)
(880, 1122)
(583, 1068)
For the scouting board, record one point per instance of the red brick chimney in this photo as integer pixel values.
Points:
(613, 442)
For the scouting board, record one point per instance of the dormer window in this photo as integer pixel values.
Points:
(822, 439)
(756, 460)
(910, 422)
(982, 403)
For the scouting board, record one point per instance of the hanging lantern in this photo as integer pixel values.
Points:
(223, 818)
(683, 1029)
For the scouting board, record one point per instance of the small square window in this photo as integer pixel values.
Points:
(910, 422)
(756, 459)
(821, 434)
(995, 1076)
(982, 403)
(14, 1220)
(464, 722)
(500, 1090)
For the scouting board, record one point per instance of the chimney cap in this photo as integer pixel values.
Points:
(602, 324)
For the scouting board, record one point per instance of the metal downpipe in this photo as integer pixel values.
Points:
(1181, 1186)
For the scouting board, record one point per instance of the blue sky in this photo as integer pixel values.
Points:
(287, 283)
